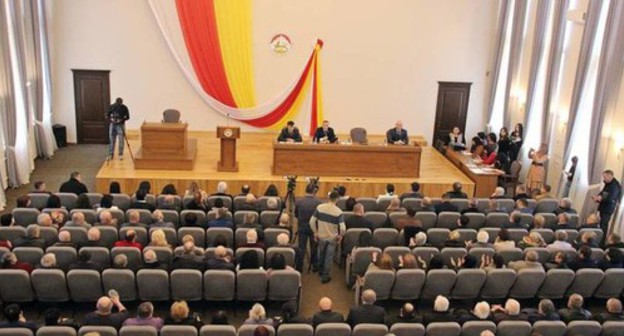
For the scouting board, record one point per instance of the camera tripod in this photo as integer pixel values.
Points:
(110, 157)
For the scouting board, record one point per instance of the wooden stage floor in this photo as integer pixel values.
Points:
(255, 157)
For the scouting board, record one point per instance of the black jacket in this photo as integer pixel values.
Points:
(320, 133)
(118, 113)
(73, 186)
(285, 135)
(366, 314)
(393, 136)
(327, 317)
(610, 196)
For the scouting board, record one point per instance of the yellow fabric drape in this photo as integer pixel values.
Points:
(319, 92)
(234, 22)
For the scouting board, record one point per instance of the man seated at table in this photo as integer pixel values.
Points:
(325, 134)
(397, 135)
(290, 133)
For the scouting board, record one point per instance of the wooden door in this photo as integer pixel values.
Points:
(451, 110)
(92, 98)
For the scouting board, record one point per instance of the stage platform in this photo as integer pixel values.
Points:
(255, 157)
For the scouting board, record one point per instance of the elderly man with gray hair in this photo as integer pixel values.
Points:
(145, 317)
(565, 206)
(367, 312)
(574, 310)
(440, 312)
(44, 220)
(481, 312)
(613, 313)
(78, 220)
(511, 312)
(103, 314)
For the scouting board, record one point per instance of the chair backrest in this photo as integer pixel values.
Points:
(248, 330)
(295, 329)
(370, 329)
(198, 234)
(251, 285)
(287, 252)
(498, 283)
(99, 255)
(122, 201)
(50, 285)
(362, 257)
(546, 205)
(11, 233)
(496, 219)
(153, 285)
(217, 330)
(444, 329)
(477, 252)
(612, 284)
(219, 285)
(38, 200)
(556, 283)
(513, 328)
(528, 282)
(585, 328)
(437, 236)
(468, 283)
(412, 203)
(101, 330)
(512, 254)
(612, 328)
(25, 216)
(269, 217)
(135, 258)
(517, 234)
(450, 254)
(15, 286)
(407, 329)
(425, 253)
(122, 280)
(378, 218)
(543, 255)
(385, 237)
(65, 255)
(68, 200)
(358, 136)
(333, 329)
(84, 285)
(475, 328)
(554, 328)
(186, 284)
(171, 216)
(427, 218)
(395, 252)
(94, 198)
(239, 216)
(138, 331)
(476, 220)
(171, 116)
(201, 216)
(380, 281)
(439, 282)
(31, 255)
(461, 204)
(408, 284)
(369, 203)
(178, 330)
(16, 332)
(213, 233)
(56, 331)
(586, 281)
(447, 220)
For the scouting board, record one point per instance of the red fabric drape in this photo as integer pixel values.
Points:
(199, 27)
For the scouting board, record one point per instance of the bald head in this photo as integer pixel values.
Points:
(325, 304)
(220, 252)
(614, 306)
(104, 306)
(369, 297)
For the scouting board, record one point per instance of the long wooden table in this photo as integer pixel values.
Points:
(485, 182)
(353, 160)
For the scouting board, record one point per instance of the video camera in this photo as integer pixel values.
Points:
(292, 183)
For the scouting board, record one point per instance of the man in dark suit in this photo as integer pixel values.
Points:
(290, 133)
(406, 315)
(607, 199)
(613, 313)
(457, 192)
(397, 135)
(358, 221)
(74, 185)
(446, 205)
(84, 262)
(367, 312)
(326, 315)
(221, 260)
(141, 202)
(440, 312)
(414, 193)
(325, 134)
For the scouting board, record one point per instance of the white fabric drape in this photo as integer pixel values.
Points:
(499, 48)
(515, 51)
(166, 16)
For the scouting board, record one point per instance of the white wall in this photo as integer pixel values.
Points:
(381, 60)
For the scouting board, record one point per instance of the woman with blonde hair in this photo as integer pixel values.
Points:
(158, 238)
(383, 262)
(180, 314)
(533, 239)
(257, 315)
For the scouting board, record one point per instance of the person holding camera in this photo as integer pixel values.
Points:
(117, 115)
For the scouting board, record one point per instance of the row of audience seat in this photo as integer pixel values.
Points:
(53, 285)
(472, 328)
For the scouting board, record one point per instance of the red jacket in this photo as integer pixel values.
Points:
(125, 243)
(489, 159)
(21, 265)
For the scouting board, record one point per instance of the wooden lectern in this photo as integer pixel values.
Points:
(165, 146)
(228, 136)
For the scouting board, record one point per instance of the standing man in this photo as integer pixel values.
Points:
(304, 209)
(290, 133)
(328, 225)
(570, 177)
(607, 199)
(74, 185)
(117, 115)
(397, 135)
(325, 134)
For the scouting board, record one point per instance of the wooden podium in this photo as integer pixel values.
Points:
(228, 136)
(165, 146)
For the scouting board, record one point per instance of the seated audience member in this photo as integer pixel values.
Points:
(197, 203)
(511, 312)
(436, 262)
(446, 205)
(250, 221)
(52, 318)
(456, 192)
(565, 206)
(490, 263)
(538, 222)
(6, 244)
(31, 239)
(141, 202)
(613, 313)
(290, 133)
(515, 219)
(277, 263)
(169, 189)
(381, 263)
(583, 259)
(58, 219)
(503, 242)
(614, 240)
(180, 314)
(9, 261)
(522, 206)
(159, 239)
(413, 193)
(120, 262)
(221, 260)
(427, 205)
(168, 202)
(219, 318)
(456, 139)
(389, 193)
(612, 259)
(358, 221)
(146, 186)
(74, 185)
(104, 316)
(407, 314)
(249, 260)
(23, 202)
(134, 219)
(494, 207)
(367, 312)
(271, 191)
(488, 158)
(483, 240)
(531, 260)
(6, 220)
(587, 238)
(544, 193)
(560, 242)
(129, 240)
(222, 189)
(499, 193)
(145, 317)
(45, 220)
(195, 188)
(563, 222)
(326, 314)
(85, 261)
(217, 204)
(574, 310)
(189, 256)
(440, 313)
(521, 193)
(394, 206)
(250, 204)
(409, 220)
(480, 312)
(48, 261)
(189, 243)
(15, 319)
(114, 188)
(106, 219)
(533, 239)
(417, 240)
(289, 315)
(106, 203)
(245, 189)
(462, 221)
(150, 261)
(560, 262)
(592, 222)
(454, 240)
(407, 261)
(272, 203)
(252, 240)
(64, 240)
(191, 220)
(221, 219)
(468, 261)
(545, 312)
(283, 222)
(40, 188)
(342, 192)
(94, 236)
(257, 315)
(397, 135)
(83, 202)
(472, 207)
(77, 220)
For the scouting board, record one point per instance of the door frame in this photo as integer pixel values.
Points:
(75, 75)
(438, 116)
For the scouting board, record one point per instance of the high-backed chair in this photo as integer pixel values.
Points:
(15, 286)
(358, 136)
(217, 330)
(171, 116)
(84, 285)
